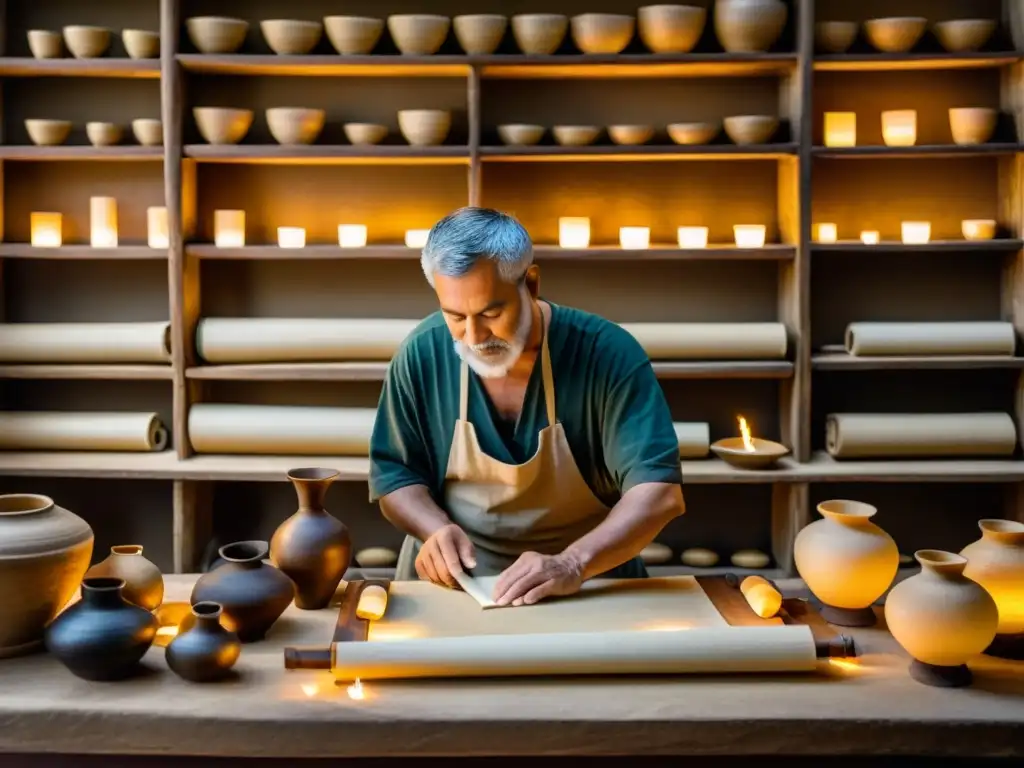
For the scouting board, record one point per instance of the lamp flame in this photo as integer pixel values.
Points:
(748, 442)
(355, 691)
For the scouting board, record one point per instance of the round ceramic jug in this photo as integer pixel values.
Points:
(749, 26)
(996, 561)
(846, 561)
(143, 582)
(941, 618)
(205, 651)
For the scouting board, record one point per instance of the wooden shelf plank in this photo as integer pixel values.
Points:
(921, 150)
(649, 153)
(127, 152)
(723, 369)
(87, 371)
(103, 67)
(395, 65)
(127, 252)
(895, 246)
(210, 251)
(823, 468)
(844, 362)
(893, 62)
(324, 154)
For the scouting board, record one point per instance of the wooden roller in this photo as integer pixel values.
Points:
(762, 596)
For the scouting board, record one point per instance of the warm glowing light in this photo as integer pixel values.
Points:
(665, 626)
(846, 665)
(291, 237)
(310, 689)
(748, 441)
(693, 237)
(355, 691)
(840, 129)
(899, 128)
(916, 232)
(574, 232)
(156, 226)
(978, 229)
(828, 233)
(352, 235)
(634, 238)
(167, 631)
(749, 235)
(416, 238)
(46, 229)
(229, 229)
(392, 631)
(373, 603)
(869, 237)
(103, 222)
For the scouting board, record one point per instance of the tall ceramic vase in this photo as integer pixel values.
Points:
(941, 618)
(996, 561)
(143, 582)
(846, 561)
(44, 553)
(312, 547)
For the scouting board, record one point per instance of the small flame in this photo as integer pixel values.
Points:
(310, 689)
(748, 443)
(167, 631)
(355, 691)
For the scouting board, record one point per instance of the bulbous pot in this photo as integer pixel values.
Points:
(846, 561)
(941, 618)
(206, 650)
(44, 553)
(312, 547)
(143, 582)
(996, 561)
(253, 595)
(102, 637)
(749, 26)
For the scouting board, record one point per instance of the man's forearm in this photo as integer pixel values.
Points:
(633, 523)
(413, 511)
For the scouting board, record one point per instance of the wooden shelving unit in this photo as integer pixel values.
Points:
(176, 502)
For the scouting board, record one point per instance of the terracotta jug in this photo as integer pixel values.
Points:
(941, 618)
(312, 547)
(44, 553)
(996, 561)
(205, 651)
(143, 582)
(846, 561)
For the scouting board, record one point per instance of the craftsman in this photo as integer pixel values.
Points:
(516, 436)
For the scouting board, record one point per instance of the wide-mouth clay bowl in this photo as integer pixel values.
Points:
(104, 134)
(141, 43)
(365, 134)
(480, 33)
(963, 35)
(765, 455)
(149, 132)
(972, 125)
(45, 44)
(539, 34)
(353, 35)
(671, 28)
(895, 35)
(607, 33)
(86, 42)
(425, 127)
(418, 34)
(575, 135)
(222, 125)
(520, 134)
(48, 133)
(290, 37)
(835, 36)
(750, 129)
(978, 229)
(630, 134)
(749, 26)
(216, 34)
(693, 133)
(295, 125)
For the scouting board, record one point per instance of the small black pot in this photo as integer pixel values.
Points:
(204, 650)
(103, 636)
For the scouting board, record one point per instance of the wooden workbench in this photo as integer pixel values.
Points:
(267, 711)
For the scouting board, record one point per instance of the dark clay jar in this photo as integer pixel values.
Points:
(103, 636)
(204, 650)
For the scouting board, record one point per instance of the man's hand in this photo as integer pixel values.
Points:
(446, 552)
(535, 576)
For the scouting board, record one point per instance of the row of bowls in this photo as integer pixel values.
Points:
(899, 34)
(741, 129)
(51, 133)
(740, 25)
(90, 42)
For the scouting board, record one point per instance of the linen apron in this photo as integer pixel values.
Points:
(541, 506)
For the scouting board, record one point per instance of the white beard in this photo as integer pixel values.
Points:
(501, 355)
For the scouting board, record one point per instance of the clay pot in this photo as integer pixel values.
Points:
(143, 582)
(44, 553)
(425, 127)
(295, 125)
(607, 33)
(353, 35)
(846, 561)
(148, 131)
(766, 453)
(749, 26)
(693, 133)
(206, 651)
(102, 636)
(480, 33)
(252, 593)
(45, 44)
(289, 37)
(895, 35)
(972, 125)
(141, 43)
(963, 35)
(48, 133)
(216, 34)
(978, 229)
(221, 125)
(376, 557)
(835, 36)
(751, 129)
(630, 134)
(418, 34)
(671, 28)
(575, 135)
(363, 134)
(87, 42)
(996, 561)
(520, 135)
(312, 547)
(941, 618)
(104, 134)
(539, 34)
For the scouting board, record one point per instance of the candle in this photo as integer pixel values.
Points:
(103, 222)
(693, 237)
(899, 127)
(574, 232)
(749, 235)
(416, 238)
(869, 237)
(978, 229)
(46, 230)
(634, 238)
(156, 225)
(351, 235)
(291, 237)
(827, 233)
(229, 229)
(916, 232)
(840, 129)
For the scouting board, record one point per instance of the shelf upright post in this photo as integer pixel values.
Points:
(3, 139)
(475, 129)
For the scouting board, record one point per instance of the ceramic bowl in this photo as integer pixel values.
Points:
(289, 37)
(895, 35)
(418, 34)
(222, 125)
(962, 35)
(353, 35)
(765, 455)
(607, 33)
(520, 134)
(575, 135)
(480, 33)
(425, 127)
(978, 229)
(364, 134)
(630, 134)
(216, 34)
(87, 42)
(539, 34)
(693, 133)
(295, 125)
(972, 125)
(148, 131)
(141, 43)
(104, 134)
(835, 36)
(671, 28)
(45, 44)
(750, 129)
(48, 133)
(749, 26)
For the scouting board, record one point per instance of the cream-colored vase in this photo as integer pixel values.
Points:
(847, 561)
(143, 582)
(941, 618)
(996, 561)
